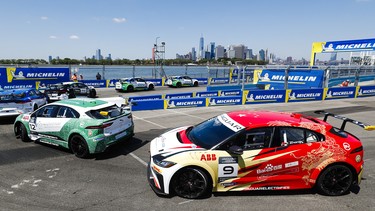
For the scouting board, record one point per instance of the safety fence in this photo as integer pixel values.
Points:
(239, 97)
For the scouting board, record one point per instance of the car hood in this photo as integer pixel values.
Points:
(171, 142)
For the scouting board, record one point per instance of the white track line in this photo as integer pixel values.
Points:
(138, 158)
(161, 126)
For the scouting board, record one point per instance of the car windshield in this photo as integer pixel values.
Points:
(106, 113)
(209, 133)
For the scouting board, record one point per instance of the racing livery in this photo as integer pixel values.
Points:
(18, 101)
(67, 90)
(180, 81)
(85, 126)
(131, 84)
(256, 150)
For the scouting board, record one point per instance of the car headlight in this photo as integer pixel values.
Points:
(163, 163)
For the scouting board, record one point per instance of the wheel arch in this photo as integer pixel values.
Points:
(318, 171)
(209, 172)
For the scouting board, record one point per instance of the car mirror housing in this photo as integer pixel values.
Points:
(236, 150)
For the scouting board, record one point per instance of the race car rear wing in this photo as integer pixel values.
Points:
(345, 120)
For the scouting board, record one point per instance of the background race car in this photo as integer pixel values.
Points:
(180, 81)
(85, 126)
(18, 101)
(67, 90)
(256, 150)
(131, 84)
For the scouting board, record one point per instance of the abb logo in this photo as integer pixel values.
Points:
(208, 157)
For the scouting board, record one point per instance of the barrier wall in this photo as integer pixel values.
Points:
(237, 97)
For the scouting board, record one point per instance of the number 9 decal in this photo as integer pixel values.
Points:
(227, 168)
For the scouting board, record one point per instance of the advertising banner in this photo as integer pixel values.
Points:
(231, 100)
(231, 93)
(179, 95)
(218, 80)
(264, 96)
(32, 77)
(207, 94)
(302, 78)
(366, 91)
(185, 102)
(111, 83)
(147, 97)
(96, 83)
(339, 92)
(202, 80)
(348, 45)
(298, 95)
(147, 105)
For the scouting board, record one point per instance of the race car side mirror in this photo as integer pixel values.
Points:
(236, 150)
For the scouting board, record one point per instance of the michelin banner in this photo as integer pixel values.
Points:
(14, 78)
(185, 102)
(297, 78)
(264, 96)
(340, 92)
(179, 95)
(298, 95)
(231, 100)
(366, 91)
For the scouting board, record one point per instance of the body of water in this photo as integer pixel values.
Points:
(116, 72)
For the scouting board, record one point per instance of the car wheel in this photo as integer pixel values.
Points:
(22, 131)
(335, 180)
(79, 146)
(151, 87)
(191, 183)
(92, 93)
(178, 85)
(130, 88)
(196, 83)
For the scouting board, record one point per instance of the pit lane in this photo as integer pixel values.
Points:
(43, 177)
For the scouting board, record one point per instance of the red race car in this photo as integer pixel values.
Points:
(257, 150)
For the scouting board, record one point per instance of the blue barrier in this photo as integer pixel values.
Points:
(207, 94)
(186, 102)
(366, 91)
(298, 95)
(340, 92)
(147, 105)
(231, 100)
(147, 97)
(179, 95)
(264, 96)
(231, 93)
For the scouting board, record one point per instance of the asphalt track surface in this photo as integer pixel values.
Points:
(43, 177)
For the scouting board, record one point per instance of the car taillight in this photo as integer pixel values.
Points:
(102, 126)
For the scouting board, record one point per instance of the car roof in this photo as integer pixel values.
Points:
(84, 103)
(254, 119)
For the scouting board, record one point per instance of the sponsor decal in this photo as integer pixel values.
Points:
(366, 91)
(269, 188)
(269, 168)
(228, 184)
(291, 164)
(236, 100)
(26, 118)
(230, 123)
(346, 146)
(230, 93)
(208, 157)
(227, 168)
(189, 102)
(349, 45)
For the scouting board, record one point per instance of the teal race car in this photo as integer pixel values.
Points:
(85, 126)
(180, 81)
(132, 84)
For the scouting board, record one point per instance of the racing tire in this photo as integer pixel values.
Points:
(92, 93)
(79, 146)
(335, 180)
(191, 183)
(195, 84)
(23, 132)
(151, 87)
(71, 93)
(130, 89)
(179, 85)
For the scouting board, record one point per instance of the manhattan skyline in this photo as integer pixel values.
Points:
(129, 29)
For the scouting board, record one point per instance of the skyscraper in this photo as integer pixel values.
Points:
(98, 55)
(201, 48)
(219, 53)
(193, 54)
(212, 50)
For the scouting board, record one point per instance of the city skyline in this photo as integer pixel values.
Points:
(129, 29)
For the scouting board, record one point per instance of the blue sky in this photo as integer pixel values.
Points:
(128, 28)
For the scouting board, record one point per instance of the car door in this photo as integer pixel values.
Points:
(83, 89)
(45, 125)
(141, 83)
(186, 80)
